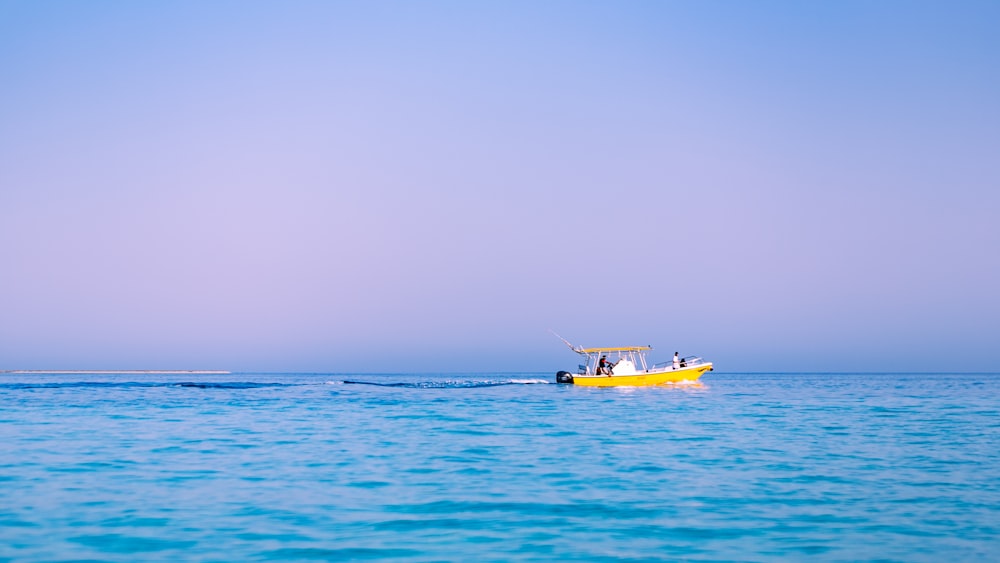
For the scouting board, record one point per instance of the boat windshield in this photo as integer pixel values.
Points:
(634, 355)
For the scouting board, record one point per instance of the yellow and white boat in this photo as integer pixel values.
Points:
(626, 366)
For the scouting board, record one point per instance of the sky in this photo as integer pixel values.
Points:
(433, 186)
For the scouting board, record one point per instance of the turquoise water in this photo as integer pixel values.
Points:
(749, 467)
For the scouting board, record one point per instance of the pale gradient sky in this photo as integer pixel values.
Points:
(430, 186)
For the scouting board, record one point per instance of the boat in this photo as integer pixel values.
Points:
(626, 366)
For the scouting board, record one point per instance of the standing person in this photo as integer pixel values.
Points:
(602, 366)
(677, 360)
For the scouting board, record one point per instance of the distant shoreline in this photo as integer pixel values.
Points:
(118, 371)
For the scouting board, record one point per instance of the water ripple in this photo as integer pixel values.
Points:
(749, 467)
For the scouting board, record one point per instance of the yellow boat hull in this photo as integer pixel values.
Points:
(645, 378)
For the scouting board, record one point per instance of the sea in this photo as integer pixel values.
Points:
(499, 467)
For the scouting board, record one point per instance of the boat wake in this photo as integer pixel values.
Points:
(233, 385)
(448, 384)
(250, 385)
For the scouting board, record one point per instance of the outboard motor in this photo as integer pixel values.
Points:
(564, 377)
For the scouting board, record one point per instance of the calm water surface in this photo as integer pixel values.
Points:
(749, 467)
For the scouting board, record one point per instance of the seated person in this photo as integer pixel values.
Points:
(604, 366)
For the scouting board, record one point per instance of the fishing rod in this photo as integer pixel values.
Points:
(576, 349)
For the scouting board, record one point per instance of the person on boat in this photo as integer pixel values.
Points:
(677, 360)
(603, 367)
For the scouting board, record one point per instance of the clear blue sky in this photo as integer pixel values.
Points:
(430, 186)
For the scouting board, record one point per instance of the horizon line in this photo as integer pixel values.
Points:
(453, 372)
(118, 371)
